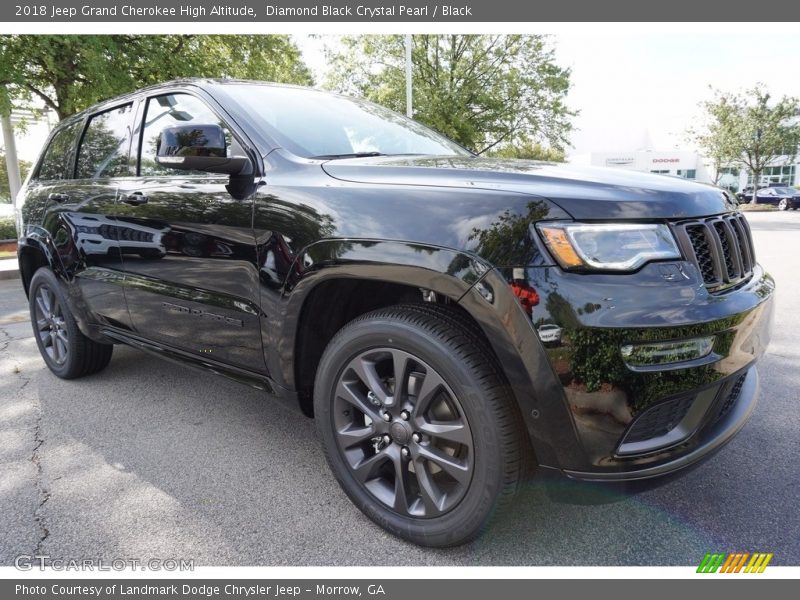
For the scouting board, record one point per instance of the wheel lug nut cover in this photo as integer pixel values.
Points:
(416, 437)
(387, 439)
(405, 452)
(387, 417)
(404, 415)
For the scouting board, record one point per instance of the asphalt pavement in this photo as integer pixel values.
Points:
(151, 460)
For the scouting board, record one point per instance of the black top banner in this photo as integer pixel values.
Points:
(411, 11)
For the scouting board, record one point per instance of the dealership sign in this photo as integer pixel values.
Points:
(619, 162)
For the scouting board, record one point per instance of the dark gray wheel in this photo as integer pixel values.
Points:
(403, 433)
(66, 351)
(50, 325)
(417, 423)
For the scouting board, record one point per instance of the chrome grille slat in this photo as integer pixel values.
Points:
(744, 247)
(721, 248)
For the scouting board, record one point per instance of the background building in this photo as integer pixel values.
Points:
(677, 163)
(690, 165)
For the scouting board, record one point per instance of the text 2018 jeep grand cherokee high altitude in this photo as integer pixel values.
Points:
(450, 321)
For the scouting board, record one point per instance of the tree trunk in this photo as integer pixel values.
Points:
(756, 178)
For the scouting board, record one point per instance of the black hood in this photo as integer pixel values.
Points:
(583, 192)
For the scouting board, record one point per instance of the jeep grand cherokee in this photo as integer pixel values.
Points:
(450, 321)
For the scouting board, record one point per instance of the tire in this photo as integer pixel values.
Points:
(783, 204)
(66, 351)
(472, 452)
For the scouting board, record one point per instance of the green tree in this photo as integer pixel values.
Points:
(5, 192)
(751, 129)
(68, 73)
(528, 150)
(484, 91)
(713, 137)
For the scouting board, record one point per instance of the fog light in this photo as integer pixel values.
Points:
(662, 353)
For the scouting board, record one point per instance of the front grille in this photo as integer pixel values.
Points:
(733, 395)
(702, 251)
(720, 247)
(659, 420)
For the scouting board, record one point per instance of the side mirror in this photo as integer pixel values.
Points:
(198, 148)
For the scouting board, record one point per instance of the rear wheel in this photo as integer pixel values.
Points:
(783, 204)
(66, 351)
(418, 425)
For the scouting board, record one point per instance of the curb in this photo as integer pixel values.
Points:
(12, 273)
(9, 275)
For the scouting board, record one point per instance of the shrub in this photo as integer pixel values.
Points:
(8, 231)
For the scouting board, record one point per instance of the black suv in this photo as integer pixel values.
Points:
(450, 321)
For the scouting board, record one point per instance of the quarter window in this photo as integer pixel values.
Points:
(57, 159)
(105, 145)
(168, 111)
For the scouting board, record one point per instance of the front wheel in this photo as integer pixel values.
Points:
(418, 424)
(66, 351)
(783, 204)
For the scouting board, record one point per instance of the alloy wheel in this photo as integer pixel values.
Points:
(51, 326)
(403, 433)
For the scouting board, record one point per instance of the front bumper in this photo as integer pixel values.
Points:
(699, 445)
(591, 415)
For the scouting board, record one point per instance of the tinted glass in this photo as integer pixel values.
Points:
(57, 160)
(104, 148)
(784, 191)
(173, 110)
(311, 123)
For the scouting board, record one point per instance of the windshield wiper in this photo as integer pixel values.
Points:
(350, 155)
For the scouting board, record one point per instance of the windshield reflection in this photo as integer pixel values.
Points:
(311, 123)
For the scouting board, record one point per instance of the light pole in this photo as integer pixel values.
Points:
(409, 93)
(12, 165)
(757, 174)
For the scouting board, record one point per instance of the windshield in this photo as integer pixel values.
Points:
(314, 124)
(783, 190)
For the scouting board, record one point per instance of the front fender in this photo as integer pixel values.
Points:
(448, 273)
(533, 382)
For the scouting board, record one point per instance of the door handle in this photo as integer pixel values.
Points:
(135, 199)
(58, 197)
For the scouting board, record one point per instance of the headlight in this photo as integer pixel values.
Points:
(608, 247)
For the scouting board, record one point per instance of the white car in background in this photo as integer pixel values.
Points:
(550, 334)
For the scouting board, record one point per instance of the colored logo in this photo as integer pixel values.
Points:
(735, 562)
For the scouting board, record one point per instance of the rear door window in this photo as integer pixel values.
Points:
(105, 146)
(57, 159)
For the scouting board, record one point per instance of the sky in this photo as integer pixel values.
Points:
(641, 89)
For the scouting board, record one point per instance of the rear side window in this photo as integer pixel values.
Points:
(57, 159)
(105, 145)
